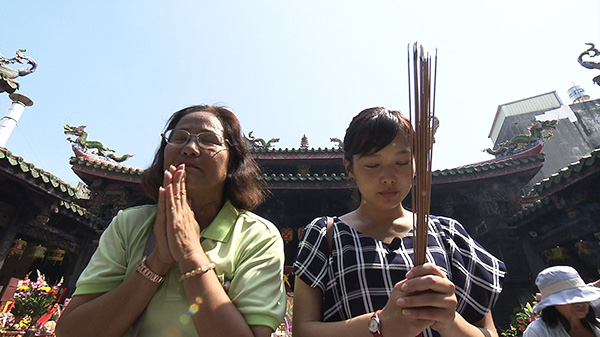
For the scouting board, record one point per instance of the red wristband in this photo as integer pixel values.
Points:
(375, 324)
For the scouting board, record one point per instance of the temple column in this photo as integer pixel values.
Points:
(9, 121)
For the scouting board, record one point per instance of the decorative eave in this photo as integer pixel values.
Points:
(73, 210)
(36, 177)
(560, 180)
(488, 169)
(63, 239)
(536, 207)
(97, 168)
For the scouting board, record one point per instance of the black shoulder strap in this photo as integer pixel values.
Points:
(150, 244)
(329, 234)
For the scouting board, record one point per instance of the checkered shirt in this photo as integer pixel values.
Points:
(360, 273)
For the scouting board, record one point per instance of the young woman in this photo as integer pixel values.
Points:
(361, 284)
(215, 268)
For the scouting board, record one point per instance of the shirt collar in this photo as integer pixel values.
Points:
(223, 223)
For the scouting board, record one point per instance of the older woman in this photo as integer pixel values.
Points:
(565, 307)
(197, 263)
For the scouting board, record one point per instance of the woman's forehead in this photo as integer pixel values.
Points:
(200, 120)
(399, 145)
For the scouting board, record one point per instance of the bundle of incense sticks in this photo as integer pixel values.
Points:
(421, 83)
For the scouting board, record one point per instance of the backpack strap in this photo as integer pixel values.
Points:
(150, 244)
(329, 235)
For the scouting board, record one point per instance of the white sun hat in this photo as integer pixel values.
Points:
(563, 285)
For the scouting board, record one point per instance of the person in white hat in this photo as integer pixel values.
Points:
(565, 306)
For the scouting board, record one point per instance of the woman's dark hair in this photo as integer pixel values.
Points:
(552, 317)
(373, 129)
(244, 185)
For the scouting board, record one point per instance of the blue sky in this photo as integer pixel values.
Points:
(286, 68)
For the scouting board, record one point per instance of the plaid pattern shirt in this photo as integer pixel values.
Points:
(360, 273)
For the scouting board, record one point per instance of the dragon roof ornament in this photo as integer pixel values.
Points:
(591, 52)
(82, 146)
(7, 74)
(259, 143)
(523, 142)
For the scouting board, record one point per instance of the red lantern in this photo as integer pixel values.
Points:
(301, 232)
(287, 234)
(56, 255)
(17, 247)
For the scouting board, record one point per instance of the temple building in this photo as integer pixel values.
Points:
(527, 221)
(42, 225)
(307, 182)
(566, 133)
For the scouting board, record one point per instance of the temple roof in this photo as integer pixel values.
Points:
(565, 177)
(85, 167)
(88, 168)
(485, 169)
(37, 178)
(73, 210)
(568, 175)
(291, 154)
(18, 167)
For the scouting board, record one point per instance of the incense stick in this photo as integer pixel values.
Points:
(422, 116)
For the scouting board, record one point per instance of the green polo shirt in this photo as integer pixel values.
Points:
(247, 251)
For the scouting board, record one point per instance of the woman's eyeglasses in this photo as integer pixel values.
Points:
(206, 140)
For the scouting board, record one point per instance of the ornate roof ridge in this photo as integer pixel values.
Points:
(295, 150)
(111, 167)
(461, 170)
(489, 165)
(37, 173)
(306, 177)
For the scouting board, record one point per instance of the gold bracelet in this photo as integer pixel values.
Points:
(198, 271)
(143, 269)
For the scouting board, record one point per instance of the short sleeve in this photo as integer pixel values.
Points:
(313, 255)
(119, 250)
(475, 272)
(257, 288)
(107, 267)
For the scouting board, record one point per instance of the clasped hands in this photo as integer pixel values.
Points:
(424, 299)
(176, 230)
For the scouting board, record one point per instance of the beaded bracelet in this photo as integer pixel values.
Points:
(198, 271)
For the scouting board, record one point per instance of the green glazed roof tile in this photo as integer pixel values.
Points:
(564, 174)
(298, 177)
(33, 173)
(80, 211)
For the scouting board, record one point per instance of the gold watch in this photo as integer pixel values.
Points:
(143, 269)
